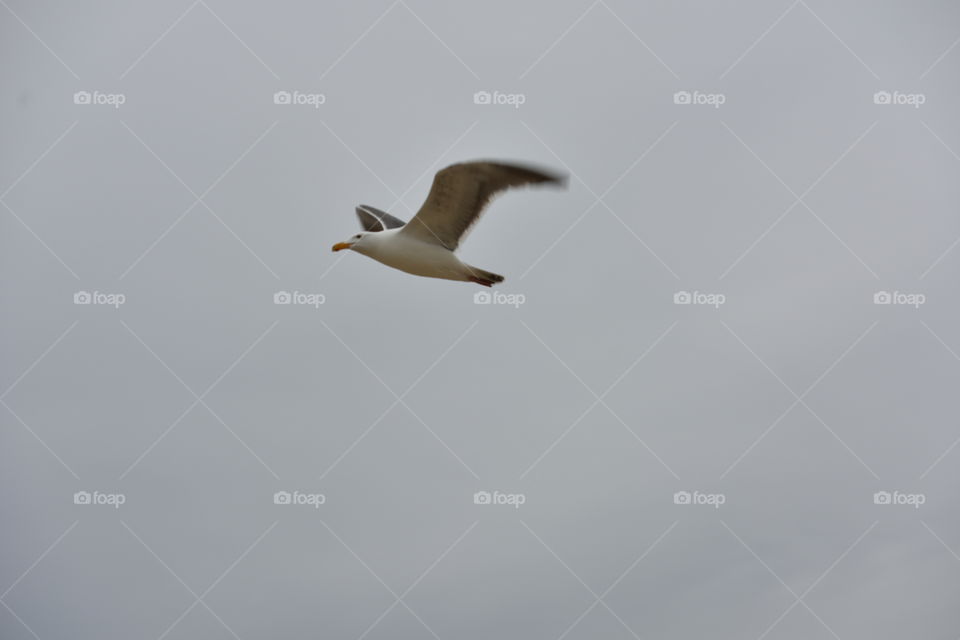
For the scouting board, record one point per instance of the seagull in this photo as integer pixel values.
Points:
(427, 245)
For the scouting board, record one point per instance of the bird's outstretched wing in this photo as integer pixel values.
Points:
(459, 194)
(373, 219)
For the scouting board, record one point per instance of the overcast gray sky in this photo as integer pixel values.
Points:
(777, 458)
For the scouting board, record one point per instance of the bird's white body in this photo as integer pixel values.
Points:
(412, 255)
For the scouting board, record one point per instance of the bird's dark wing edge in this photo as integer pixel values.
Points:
(373, 219)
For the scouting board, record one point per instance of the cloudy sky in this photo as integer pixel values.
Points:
(716, 394)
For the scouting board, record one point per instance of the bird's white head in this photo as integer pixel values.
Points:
(356, 242)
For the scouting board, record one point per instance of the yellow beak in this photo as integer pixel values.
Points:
(341, 246)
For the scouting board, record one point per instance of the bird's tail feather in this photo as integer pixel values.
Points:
(484, 278)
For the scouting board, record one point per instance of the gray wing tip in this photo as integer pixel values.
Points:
(529, 173)
(541, 174)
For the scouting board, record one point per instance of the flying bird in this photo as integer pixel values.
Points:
(427, 245)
